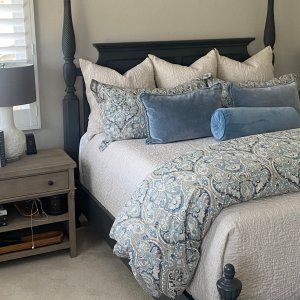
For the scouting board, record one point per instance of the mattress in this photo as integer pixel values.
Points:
(261, 238)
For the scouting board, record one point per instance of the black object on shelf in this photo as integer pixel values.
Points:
(2, 150)
(30, 143)
(55, 205)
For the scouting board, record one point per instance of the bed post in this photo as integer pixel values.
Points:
(70, 101)
(270, 31)
(229, 287)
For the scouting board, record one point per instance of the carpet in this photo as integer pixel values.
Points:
(94, 274)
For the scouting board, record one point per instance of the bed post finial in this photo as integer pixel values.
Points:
(70, 101)
(270, 30)
(229, 287)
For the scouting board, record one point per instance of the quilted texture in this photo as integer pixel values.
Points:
(162, 227)
(259, 67)
(262, 240)
(141, 76)
(237, 233)
(123, 113)
(168, 75)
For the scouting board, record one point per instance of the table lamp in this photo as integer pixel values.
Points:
(17, 87)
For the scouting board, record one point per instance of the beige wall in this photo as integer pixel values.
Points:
(141, 20)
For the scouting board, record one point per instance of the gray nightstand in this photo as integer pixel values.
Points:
(48, 173)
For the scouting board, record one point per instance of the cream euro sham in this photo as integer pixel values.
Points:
(168, 75)
(258, 67)
(141, 76)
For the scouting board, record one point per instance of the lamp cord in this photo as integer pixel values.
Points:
(32, 213)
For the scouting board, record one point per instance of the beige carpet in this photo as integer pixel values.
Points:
(94, 274)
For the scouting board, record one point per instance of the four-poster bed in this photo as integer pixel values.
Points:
(122, 57)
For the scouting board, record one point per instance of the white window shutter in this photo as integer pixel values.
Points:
(17, 46)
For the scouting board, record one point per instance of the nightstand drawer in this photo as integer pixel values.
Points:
(32, 185)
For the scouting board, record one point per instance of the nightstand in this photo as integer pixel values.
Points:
(48, 173)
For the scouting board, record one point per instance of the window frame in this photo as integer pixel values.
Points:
(29, 117)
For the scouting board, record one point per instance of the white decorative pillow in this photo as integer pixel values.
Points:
(141, 76)
(259, 67)
(168, 75)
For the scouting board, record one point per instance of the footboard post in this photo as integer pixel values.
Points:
(229, 287)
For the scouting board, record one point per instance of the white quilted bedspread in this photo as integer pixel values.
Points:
(262, 239)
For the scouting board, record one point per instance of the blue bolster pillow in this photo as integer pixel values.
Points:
(231, 123)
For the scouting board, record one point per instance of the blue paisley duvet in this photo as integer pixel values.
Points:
(161, 228)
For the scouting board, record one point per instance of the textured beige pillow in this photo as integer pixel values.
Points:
(169, 75)
(141, 76)
(259, 67)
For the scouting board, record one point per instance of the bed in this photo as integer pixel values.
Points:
(229, 239)
(124, 165)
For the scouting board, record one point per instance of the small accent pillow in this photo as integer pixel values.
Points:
(123, 113)
(231, 123)
(259, 67)
(282, 92)
(179, 117)
(141, 76)
(168, 75)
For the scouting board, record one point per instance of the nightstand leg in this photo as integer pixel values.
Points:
(72, 223)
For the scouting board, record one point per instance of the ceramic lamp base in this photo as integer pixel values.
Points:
(14, 139)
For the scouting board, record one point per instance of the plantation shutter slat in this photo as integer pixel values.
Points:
(14, 42)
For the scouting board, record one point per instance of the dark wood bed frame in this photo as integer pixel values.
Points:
(122, 57)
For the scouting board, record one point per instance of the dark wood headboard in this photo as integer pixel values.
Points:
(124, 56)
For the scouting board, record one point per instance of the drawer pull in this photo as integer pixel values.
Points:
(50, 182)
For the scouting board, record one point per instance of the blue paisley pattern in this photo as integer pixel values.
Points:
(123, 112)
(161, 228)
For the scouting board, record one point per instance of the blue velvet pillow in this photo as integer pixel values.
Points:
(172, 118)
(282, 95)
(230, 123)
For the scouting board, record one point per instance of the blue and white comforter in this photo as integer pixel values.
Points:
(161, 228)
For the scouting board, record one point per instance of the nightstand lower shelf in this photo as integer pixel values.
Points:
(65, 244)
(16, 222)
